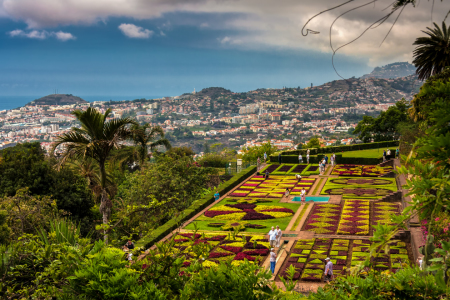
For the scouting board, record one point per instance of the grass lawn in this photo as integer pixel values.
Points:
(370, 153)
(202, 221)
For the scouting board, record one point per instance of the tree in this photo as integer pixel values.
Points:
(313, 143)
(432, 53)
(251, 154)
(96, 139)
(175, 152)
(145, 140)
(384, 127)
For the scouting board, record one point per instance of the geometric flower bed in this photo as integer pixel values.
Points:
(398, 254)
(324, 218)
(312, 170)
(273, 187)
(308, 257)
(381, 212)
(285, 169)
(354, 188)
(355, 218)
(358, 170)
(223, 247)
(247, 211)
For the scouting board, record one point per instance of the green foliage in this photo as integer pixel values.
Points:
(24, 166)
(251, 154)
(180, 152)
(408, 283)
(313, 143)
(384, 127)
(432, 53)
(5, 231)
(337, 149)
(216, 160)
(244, 282)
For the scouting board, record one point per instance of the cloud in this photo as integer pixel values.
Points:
(133, 31)
(204, 25)
(64, 36)
(256, 24)
(41, 35)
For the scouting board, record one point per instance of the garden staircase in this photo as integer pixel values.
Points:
(392, 197)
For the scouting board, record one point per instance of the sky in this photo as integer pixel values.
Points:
(154, 48)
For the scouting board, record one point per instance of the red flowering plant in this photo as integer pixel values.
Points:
(440, 227)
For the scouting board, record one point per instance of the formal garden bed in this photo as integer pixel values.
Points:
(246, 214)
(350, 217)
(361, 170)
(308, 257)
(291, 169)
(273, 187)
(360, 188)
(222, 247)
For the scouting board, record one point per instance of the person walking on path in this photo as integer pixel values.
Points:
(258, 164)
(307, 152)
(384, 155)
(265, 156)
(273, 260)
(298, 177)
(303, 196)
(300, 158)
(328, 270)
(216, 196)
(279, 158)
(420, 262)
(388, 154)
(397, 153)
(332, 160)
(307, 157)
(266, 175)
(279, 234)
(326, 159)
(272, 237)
(320, 167)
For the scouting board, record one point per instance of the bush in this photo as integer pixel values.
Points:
(335, 149)
(160, 232)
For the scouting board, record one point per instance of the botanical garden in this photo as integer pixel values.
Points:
(199, 231)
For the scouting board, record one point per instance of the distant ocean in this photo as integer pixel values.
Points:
(11, 102)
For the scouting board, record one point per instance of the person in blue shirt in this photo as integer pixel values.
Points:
(328, 270)
(326, 159)
(216, 196)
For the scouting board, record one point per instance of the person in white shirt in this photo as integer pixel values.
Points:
(388, 153)
(273, 260)
(307, 158)
(303, 195)
(286, 193)
(420, 262)
(272, 237)
(298, 177)
(300, 158)
(279, 234)
(332, 160)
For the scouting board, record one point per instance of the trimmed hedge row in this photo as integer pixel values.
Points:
(333, 149)
(293, 159)
(163, 230)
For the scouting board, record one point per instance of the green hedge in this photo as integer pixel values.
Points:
(334, 149)
(293, 159)
(163, 230)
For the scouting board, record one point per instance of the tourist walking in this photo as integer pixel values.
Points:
(266, 176)
(388, 154)
(279, 158)
(300, 158)
(326, 159)
(272, 237)
(420, 262)
(397, 153)
(265, 156)
(216, 196)
(298, 177)
(328, 270)
(332, 160)
(307, 152)
(320, 167)
(303, 196)
(279, 234)
(273, 260)
(384, 155)
(307, 157)
(258, 164)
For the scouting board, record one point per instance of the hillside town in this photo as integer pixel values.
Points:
(286, 116)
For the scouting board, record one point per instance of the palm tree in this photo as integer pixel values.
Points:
(145, 138)
(432, 53)
(96, 138)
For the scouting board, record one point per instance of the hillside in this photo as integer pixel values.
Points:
(394, 70)
(57, 99)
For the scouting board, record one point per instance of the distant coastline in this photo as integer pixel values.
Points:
(12, 102)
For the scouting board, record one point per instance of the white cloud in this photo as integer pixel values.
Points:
(64, 36)
(133, 31)
(204, 25)
(254, 23)
(41, 35)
